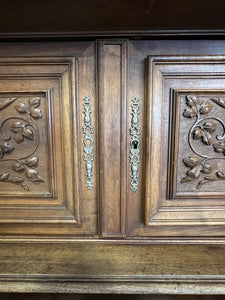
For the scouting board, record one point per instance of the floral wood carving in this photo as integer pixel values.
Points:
(203, 128)
(14, 130)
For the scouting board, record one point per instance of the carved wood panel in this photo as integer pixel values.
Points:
(39, 147)
(24, 140)
(200, 167)
(185, 147)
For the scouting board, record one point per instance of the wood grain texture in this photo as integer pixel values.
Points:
(100, 268)
(70, 258)
(112, 64)
(38, 212)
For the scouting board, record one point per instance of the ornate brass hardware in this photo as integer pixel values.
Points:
(135, 143)
(88, 142)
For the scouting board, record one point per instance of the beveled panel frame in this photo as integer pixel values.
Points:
(197, 214)
(54, 77)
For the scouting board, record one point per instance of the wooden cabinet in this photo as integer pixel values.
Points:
(112, 173)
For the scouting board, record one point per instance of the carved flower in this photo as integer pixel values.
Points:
(196, 107)
(22, 131)
(203, 132)
(5, 148)
(31, 109)
(197, 166)
(28, 167)
(219, 147)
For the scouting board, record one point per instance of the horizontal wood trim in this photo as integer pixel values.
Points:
(103, 241)
(117, 285)
(93, 260)
(141, 33)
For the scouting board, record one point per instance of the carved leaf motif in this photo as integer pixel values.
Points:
(35, 102)
(17, 167)
(19, 138)
(191, 161)
(219, 101)
(220, 175)
(35, 113)
(4, 176)
(28, 166)
(33, 175)
(16, 126)
(31, 162)
(196, 168)
(27, 133)
(205, 108)
(206, 168)
(210, 126)
(203, 132)
(32, 109)
(197, 133)
(21, 131)
(190, 112)
(6, 102)
(5, 148)
(196, 107)
(193, 173)
(219, 147)
(207, 138)
(21, 107)
(217, 176)
(192, 101)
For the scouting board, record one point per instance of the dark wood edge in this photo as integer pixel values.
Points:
(135, 34)
(195, 285)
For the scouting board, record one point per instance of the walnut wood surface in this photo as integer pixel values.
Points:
(112, 70)
(108, 246)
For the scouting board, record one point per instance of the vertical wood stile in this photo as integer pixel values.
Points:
(112, 76)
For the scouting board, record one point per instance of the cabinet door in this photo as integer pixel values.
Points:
(184, 139)
(42, 171)
(111, 166)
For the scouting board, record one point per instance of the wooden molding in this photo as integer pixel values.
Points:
(132, 34)
(192, 285)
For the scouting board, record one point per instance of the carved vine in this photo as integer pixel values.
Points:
(203, 129)
(18, 129)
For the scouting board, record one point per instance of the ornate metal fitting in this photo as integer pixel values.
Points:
(88, 142)
(135, 143)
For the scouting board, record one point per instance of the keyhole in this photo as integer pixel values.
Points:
(135, 144)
